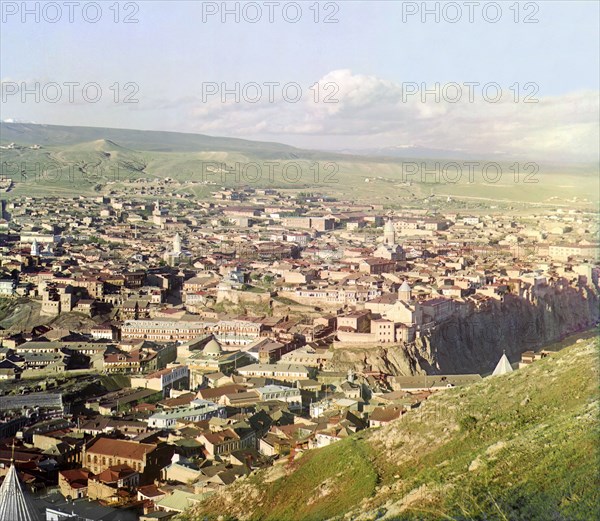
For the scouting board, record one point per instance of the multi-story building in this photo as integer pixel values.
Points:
(137, 361)
(320, 224)
(357, 321)
(220, 443)
(580, 251)
(384, 330)
(164, 330)
(176, 377)
(285, 372)
(8, 287)
(199, 410)
(290, 395)
(237, 332)
(377, 265)
(145, 458)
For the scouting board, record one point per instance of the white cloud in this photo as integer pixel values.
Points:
(372, 112)
(358, 111)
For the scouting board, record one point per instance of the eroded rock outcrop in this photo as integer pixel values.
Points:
(473, 340)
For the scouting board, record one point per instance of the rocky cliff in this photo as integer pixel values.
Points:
(472, 341)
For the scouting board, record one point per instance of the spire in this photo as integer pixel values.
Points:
(15, 505)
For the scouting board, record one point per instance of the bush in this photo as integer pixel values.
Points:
(467, 423)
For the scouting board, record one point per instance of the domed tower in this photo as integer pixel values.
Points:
(389, 233)
(213, 349)
(405, 292)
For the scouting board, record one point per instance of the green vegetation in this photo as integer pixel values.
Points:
(21, 312)
(325, 482)
(97, 240)
(519, 447)
(467, 423)
(253, 289)
(115, 382)
(329, 483)
(85, 160)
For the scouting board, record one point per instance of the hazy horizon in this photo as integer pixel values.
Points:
(403, 79)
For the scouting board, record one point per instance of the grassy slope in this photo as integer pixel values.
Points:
(517, 447)
(83, 159)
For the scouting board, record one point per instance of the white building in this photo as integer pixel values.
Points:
(286, 372)
(7, 287)
(199, 410)
(290, 395)
(177, 377)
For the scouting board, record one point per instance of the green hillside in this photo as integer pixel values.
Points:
(60, 160)
(517, 447)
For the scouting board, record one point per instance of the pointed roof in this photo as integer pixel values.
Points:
(503, 366)
(15, 505)
(405, 286)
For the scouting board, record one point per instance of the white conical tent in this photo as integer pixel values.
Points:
(15, 505)
(503, 366)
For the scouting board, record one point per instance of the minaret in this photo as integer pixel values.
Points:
(15, 504)
(35, 249)
(177, 243)
(389, 233)
(156, 208)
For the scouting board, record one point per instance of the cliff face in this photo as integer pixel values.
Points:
(474, 339)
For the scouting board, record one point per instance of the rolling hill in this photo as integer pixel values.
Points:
(62, 160)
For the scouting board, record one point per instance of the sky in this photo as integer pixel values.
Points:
(511, 78)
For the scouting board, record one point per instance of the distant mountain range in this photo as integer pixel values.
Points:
(27, 133)
(411, 151)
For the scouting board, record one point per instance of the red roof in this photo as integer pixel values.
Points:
(121, 448)
(115, 473)
(76, 478)
(150, 491)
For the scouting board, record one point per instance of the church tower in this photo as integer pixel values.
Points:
(35, 249)
(389, 233)
(177, 243)
(405, 292)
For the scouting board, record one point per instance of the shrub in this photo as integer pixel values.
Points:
(467, 423)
